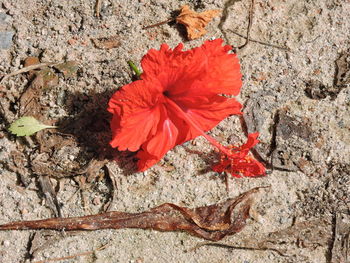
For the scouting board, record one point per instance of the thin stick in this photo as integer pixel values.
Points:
(26, 69)
(75, 193)
(237, 247)
(160, 23)
(250, 22)
(98, 8)
(73, 256)
(260, 42)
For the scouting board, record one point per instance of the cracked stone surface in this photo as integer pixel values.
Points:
(296, 94)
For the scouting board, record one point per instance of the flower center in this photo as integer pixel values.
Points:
(166, 93)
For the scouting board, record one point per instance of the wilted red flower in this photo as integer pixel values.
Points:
(237, 161)
(178, 97)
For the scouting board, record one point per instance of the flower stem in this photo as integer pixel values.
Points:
(134, 68)
(193, 124)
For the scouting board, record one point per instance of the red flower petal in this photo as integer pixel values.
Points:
(209, 113)
(133, 108)
(224, 71)
(146, 160)
(164, 139)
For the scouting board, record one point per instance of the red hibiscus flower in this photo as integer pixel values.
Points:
(237, 161)
(178, 98)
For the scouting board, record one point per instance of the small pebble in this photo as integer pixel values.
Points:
(61, 98)
(24, 211)
(4, 18)
(96, 201)
(6, 243)
(6, 39)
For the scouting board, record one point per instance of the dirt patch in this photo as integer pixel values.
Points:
(296, 94)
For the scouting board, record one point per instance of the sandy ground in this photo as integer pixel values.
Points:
(298, 98)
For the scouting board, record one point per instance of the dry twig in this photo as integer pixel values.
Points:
(27, 69)
(72, 256)
(260, 42)
(238, 247)
(250, 22)
(160, 23)
(98, 8)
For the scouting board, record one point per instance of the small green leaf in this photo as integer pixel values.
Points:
(26, 126)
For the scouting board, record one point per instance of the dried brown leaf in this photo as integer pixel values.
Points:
(307, 234)
(212, 222)
(341, 245)
(52, 160)
(52, 141)
(113, 177)
(342, 77)
(93, 169)
(42, 164)
(46, 78)
(68, 69)
(29, 102)
(106, 42)
(18, 165)
(50, 195)
(194, 22)
(30, 98)
(42, 240)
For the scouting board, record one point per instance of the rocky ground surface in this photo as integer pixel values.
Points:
(296, 94)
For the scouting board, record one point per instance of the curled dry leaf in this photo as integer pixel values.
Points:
(212, 222)
(194, 22)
